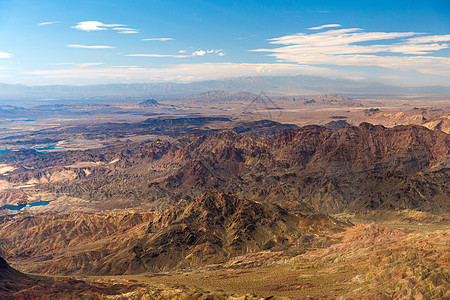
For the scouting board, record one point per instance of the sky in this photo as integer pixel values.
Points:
(82, 42)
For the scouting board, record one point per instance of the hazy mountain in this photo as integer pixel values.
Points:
(271, 85)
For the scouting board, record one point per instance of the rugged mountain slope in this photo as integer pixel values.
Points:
(309, 169)
(390, 263)
(16, 285)
(441, 123)
(279, 183)
(430, 117)
(326, 170)
(76, 242)
(210, 229)
(213, 228)
(11, 279)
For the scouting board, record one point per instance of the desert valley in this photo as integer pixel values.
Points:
(226, 196)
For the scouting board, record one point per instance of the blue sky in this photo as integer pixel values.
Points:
(90, 42)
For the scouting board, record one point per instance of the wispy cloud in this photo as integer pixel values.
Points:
(5, 55)
(182, 72)
(126, 30)
(47, 23)
(157, 55)
(90, 47)
(325, 26)
(159, 39)
(341, 47)
(98, 26)
(129, 67)
(182, 54)
(81, 65)
(429, 39)
(219, 52)
(94, 26)
(337, 37)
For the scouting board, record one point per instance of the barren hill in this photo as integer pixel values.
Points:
(16, 285)
(313, 169)
(236, 201)
(210, 229)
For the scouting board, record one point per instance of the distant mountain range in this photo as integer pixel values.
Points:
(270, 85)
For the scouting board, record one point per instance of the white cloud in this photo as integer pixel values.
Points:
(47, 23)
(5, 55)
(90, 47)
(341, 48)
(325, 26)
(92, 26)
(219, 52)
(157, 55)
(182, 51)
(198, 53)
(97, 26)
(159, 39)
(183, 72)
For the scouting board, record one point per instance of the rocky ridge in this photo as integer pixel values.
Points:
(311, 169)
(211, 229)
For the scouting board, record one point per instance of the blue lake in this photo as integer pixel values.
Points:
(19, 207)
(42, 149)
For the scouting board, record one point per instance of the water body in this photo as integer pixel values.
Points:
(41, 149)
(19, 207)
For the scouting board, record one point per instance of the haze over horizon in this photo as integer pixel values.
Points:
(403, 43)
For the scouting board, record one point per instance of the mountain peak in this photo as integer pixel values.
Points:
(149, 103)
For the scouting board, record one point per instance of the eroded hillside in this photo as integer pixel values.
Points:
(312, 169)
(226, 207)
